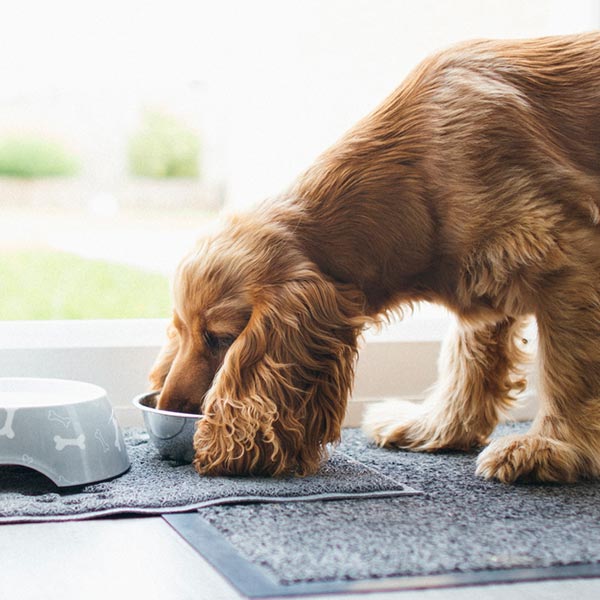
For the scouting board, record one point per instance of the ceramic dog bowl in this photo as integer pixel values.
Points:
(171, 432)
(64, 429)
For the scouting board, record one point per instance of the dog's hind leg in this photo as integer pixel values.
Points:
(479, 374)
(564, 441)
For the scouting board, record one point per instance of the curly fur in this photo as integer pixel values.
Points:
(476, 185)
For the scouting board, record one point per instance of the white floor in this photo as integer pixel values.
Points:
(146, 559)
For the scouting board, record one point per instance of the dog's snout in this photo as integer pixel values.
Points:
(186, 384)
(178, 403)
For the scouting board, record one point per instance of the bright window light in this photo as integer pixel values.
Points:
(126, 127)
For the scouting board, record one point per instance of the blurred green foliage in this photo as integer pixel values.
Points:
(30, 157)
(164, 147)
(46, 284)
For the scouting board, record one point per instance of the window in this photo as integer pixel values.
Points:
(126, 127)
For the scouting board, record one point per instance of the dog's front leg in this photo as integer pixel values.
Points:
(478, 375)
(564, 441)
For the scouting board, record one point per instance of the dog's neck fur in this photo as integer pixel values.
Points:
(350, 192)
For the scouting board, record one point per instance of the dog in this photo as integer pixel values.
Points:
(475, 185)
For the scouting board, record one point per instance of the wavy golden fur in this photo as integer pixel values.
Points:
(476, 185)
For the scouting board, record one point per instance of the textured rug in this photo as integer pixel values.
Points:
(463, 530)
(155, 486)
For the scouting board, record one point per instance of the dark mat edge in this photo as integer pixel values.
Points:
(254, 582)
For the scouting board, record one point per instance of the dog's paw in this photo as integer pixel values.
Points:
(392, 422)
(404, 424)
(529, 457)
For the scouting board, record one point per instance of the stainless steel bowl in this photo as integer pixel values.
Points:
(171, 432)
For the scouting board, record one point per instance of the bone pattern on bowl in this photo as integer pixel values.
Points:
(73, 441)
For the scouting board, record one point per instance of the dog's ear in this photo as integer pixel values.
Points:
(165, 359)
(281, 393)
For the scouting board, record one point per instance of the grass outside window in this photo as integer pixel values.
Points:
(46, 284)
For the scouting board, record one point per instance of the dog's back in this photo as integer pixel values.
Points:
(523, 105)
(477, 138)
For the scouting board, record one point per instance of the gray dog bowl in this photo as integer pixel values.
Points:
(172, 433)
(64, 429)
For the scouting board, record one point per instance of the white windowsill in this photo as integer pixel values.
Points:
(119, 333)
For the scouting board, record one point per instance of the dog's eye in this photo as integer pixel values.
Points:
(215, 343)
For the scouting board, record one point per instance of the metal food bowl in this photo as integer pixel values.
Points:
(64, 429)
(171, 432)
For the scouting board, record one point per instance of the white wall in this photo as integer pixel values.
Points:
(117, 355)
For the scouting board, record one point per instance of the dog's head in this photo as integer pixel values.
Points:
(264, 346)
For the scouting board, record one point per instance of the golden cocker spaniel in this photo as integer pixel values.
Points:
(476, 185)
